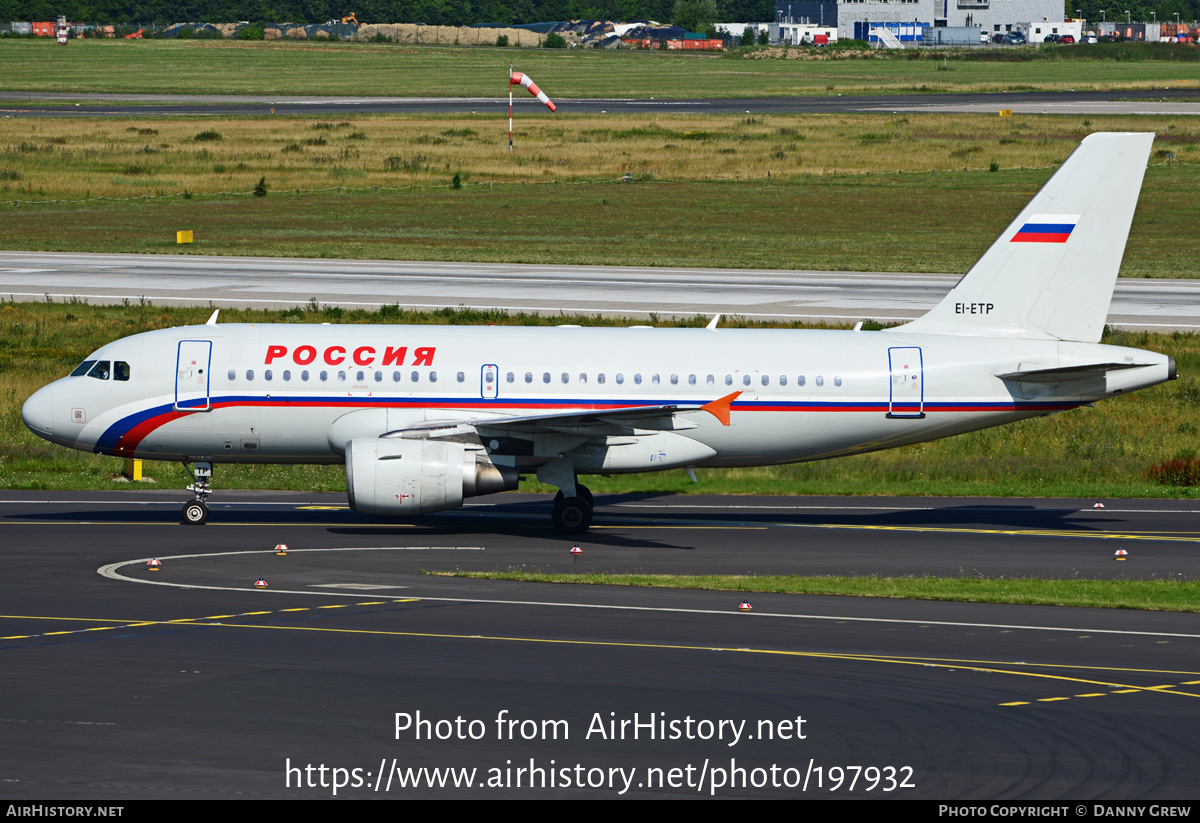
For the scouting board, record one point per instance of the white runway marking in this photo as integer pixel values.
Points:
(111, 571)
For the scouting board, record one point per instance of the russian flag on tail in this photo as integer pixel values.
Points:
(1046, 228)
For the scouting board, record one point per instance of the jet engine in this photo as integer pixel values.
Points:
(395, 476)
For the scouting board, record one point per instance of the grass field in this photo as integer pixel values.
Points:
(700, 193)
(230, 67)
(1103, 451)
(1163, 595)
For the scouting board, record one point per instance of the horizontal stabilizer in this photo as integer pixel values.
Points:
(1068, 373)
(1050, 275)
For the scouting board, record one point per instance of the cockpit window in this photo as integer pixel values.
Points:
(100, 371)
(83, 368)
(120, 370)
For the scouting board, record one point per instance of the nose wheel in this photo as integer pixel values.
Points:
(572, 515)
(195, 513)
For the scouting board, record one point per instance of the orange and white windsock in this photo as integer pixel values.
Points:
(518, 79)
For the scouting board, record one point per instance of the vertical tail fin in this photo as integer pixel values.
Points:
(1051, 273)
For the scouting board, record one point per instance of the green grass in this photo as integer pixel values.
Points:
(231, 67)
(858, 192)
(1159, 595)
(906, 223)
(1100, 452)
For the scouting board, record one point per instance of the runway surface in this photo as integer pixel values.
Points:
(264, 282)
(90, 104)
(118, 682)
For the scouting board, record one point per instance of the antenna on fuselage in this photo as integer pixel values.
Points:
(212, 321)
(712, 324)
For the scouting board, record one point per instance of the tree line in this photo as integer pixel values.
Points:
(467, 12)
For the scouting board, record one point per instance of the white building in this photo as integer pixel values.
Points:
(992, 16)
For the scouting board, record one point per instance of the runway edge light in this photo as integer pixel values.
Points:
(260, 583)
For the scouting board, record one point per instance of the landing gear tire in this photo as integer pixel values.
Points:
(586, 494)
(195, 513)
(571, 515)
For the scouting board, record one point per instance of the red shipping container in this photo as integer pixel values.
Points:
(43, 29)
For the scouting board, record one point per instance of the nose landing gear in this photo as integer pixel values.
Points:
(196, 512)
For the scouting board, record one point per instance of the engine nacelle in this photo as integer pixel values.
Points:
(395, 476)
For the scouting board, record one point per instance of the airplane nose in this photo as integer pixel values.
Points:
(38, 413)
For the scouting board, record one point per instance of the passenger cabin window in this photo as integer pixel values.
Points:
(232, 374)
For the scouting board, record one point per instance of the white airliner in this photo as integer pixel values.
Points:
(425, 416)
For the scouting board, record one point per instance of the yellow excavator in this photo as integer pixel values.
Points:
(350, 19)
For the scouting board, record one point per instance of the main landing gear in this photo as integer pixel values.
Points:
(573, 515)
(195, 513)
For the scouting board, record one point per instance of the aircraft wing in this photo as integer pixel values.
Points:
(582, 421)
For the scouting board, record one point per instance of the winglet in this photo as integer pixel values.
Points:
(720, 408)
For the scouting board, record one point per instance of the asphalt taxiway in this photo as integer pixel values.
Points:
(628, 291)
(119, 682)
(1181, 99)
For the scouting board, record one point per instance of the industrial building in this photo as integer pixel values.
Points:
(991, 16)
